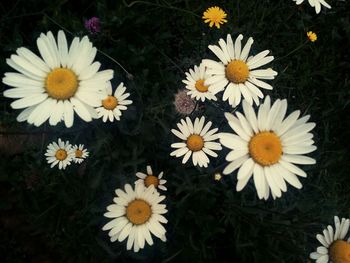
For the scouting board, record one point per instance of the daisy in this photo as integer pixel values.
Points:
(195, 83)
(150, 179)
(60, 153)
(334, 247)
(267, 145)
(214, 16)
(57, 84)
(80, 153)
(316, 4)
(197, 140)
(136, 214)
(113, 105)
(236, 73)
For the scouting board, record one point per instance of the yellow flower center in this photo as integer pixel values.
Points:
(110, 103)
(312, 36)
(138, 212)
(61, 154)
(200, 86)
(61, 84)
(195, 142)
(151, 179)
(265, 148)
(339, 252)
(78, 153)
(237, 71)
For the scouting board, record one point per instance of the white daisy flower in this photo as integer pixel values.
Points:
(80, 153)
(136, 214)
(198, 141)
(315, 3)
(238, 72)
(334, 247)
(60, 153)
(195, 83)
(113, 105)
(150, 179)
(63, 81)
(267, 145)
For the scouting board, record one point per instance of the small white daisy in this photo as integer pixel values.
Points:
(113, 105)
(236, 73)
(315, 3)
(60, 153)
(150, 179)
(334, 247)
(62, 81)
(267, 145)
(198, 141)
(136, 214)
(80, 154)
(195, 83)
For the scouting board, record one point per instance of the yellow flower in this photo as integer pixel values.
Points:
(214, 16)
(312, 36)
(217, 177)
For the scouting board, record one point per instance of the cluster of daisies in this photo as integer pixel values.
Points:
(266, 143)
(62, 154)
(137, 213)
(64, 80)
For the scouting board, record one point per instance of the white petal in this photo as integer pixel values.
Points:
(28, 101)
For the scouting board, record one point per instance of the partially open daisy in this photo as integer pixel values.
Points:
(311, 36)
(63, 81)
(114, 104)
(237, 72)
(215, 16)
(334, 247)
(315, 3)
(197, 140)
(151, 179)
(136, 214)
(267, 145)
(60, 153)
(195, 84)
(80, 153)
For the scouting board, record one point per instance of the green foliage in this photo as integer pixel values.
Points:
(49, 215)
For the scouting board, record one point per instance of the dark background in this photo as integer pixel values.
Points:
(47, 215)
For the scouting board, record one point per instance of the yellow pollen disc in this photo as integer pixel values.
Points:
(265, 148)
(237, 71)
(61, 84)
(138, 212)
(110, 103)
(339, 252)
(78, 153)
(61, 154)
(200, 86)
(151, 179)
(195, 142)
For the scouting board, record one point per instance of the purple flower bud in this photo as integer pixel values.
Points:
(93, 25)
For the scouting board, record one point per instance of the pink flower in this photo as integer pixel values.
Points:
(93, 25)
(184, 104)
